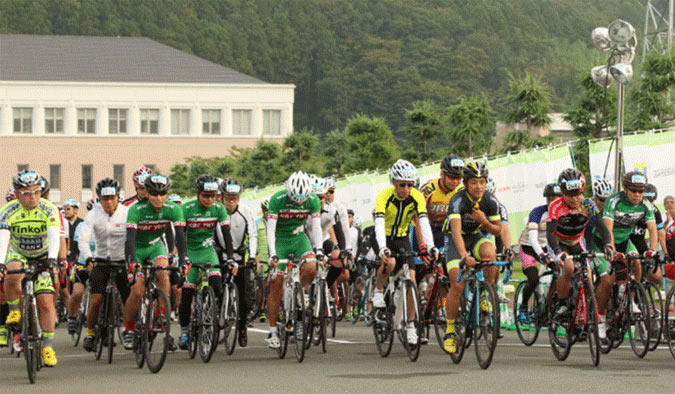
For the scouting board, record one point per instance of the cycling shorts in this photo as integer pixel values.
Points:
(298, 246)
(472, 243)
(99, 276)
(198, 257)
(44, 283)
(80, 275)
(150, 252)
(601, 265)
(527, 256)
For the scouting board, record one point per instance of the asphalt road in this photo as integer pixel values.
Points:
(350, 365)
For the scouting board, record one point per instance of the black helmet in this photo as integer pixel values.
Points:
(107, 187)
(475, 169)
(157, 184)
(44, 185)
(231, 186)
(206, 183)
(571, 180)
(650, 192)
(635, 180)
(552, 190)
(453, 165)
(265, 205)
(26, 178)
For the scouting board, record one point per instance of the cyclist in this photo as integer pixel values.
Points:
(244, 233)
(620, 214)
(503, 241)
(341, 226)
(395, 208)
(92, 203)
(330, 242)
(146, 222)
(107, 223)
(288, 212)
(139, 179)
(176, 199)
(568, 218)
(470, 210)
(263, 255)
(71, 208)
(32, 225)
(533, 246)
(669, 204)
(637, 237)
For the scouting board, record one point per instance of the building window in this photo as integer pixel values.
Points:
(272, 122)
(23, 120)
(241, 122)
(21, 167)
(86, 120)
(55, 176)
(118, 174)
(180, 121)
(86, 176)
(54, 120)
(117, 121)
(149, 121)
(211, 121)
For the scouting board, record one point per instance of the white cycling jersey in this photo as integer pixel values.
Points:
(343, 218)
(242, 224)
(110, 233)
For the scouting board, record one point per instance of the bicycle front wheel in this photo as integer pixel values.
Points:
(81, 319)
(411, 306)
(439, 314)
(638, 319)
(29, 340)
(298, 319)
(669, 320)
(110, 324)
(526, 316)
(558, 335)
(156, 328)
(592, 322)
(655, 304)
(230, 315)
(486, 321)
(208, 329)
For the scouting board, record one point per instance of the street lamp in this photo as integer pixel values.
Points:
(619, 40)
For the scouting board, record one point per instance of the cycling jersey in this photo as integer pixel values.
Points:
(626, 215)
(399, 213)
(200, 223)
(109, 231)
(73, 250)
(328, 220)
(437, 200)
(32, 233)
(149, 224)
(461, 206)
(341, 225)
(670, 237)
(566, 225)
(285, 225)
(637, 237)
(243, 231)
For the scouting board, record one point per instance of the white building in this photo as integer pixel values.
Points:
(78, 109)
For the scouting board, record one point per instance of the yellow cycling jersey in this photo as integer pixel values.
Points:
(399, 213)
(28, 228)
(437, 201)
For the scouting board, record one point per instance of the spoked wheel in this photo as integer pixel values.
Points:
(592, 323)
(208, 329)
(340, 301)
(333, 318)
(638, 319)
(156, 329)
(230, 315)
(102, 327)
(81, 319)
(28, 339)
(527, 322)
(487, 326)
(299, 322)
(411, 299)
(558, 336)
(655, 304)
(110, 328)
(193, 328)
(439, 316)
(462, 335)
(281, 329)
(669, 320)
(383, 329)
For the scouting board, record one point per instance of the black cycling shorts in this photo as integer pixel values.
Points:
(99, 277)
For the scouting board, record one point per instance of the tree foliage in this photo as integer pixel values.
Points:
(471, 125)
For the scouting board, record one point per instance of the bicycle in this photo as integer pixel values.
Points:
(669, 320)
(31, 333)
(229, 311)
(434, 308)
(627, 311)
(81, 318)
(110, 315)
(153, 321)
(319, 309)
(477, 318)
(563, 333)
(394, 317)
(537, 312)
(362, 300)
(203, 329)
(655, 303)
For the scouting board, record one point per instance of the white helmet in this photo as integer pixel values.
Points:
(298, 187)
(318, 184)
(403, 170)
(330, 182)
(602, 188)
(490, 186)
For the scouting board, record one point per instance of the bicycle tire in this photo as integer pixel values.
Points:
(413, 350)
(157, 327)
(110, 326)
(439, 314)
(298, 319)
(257, 305)
(80, 319)
(281, 330)
(527, 332)
(193, 326)
(655, 304)
(383, 329)
(592, 323)
(101, 328)
(462, 334)
(230, 316)
(606, 345)
(340, 302)
(10, 338)
(27, 338)
(208, 327)
(486, 329)
(669, 320)
(638, 321)
(559, 337)
(322, 317)
(139, 352)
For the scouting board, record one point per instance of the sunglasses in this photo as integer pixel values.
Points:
(331, 192)
(154, 193)
(406, 184)
(445, 174)
(573, 193)
(29, 192)
(638, 191)
(208, 195)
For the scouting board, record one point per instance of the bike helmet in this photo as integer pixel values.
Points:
(107, 187)
(265, 205)
(650, 192)
(44, 185)
(330, 182)
(490, 186)
(635, 180)
(231, 186)
(11, 195)
(571, 180)
(157, 184)
(140, 175)
(318, 184)
(453, 165)
(206, 183)
(475, 169)
(26, 178)
(92, 203)
(552, 190)
(403, 170)
(298, 187)
(602, 188)
(71, 202)
(175, 198)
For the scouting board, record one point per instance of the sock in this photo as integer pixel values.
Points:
(91, 332)
(410, 325)
(130, 325)
(13, 305)
(450, 326)
(47, 339)
(273, 330)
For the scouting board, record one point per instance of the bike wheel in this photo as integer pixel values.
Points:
(110, 326)
(230, 317)
(208, 327)
(333, 318)
(655, 304)
(340, 302)
(411, 297)
(258, 301)
(592, 323)
(669, 321)
(298, 320)
(638, 319)
(156, 330)
(528, 326)
(439, 314)
(383, 329)
(281, 328)
(558, 336)
(81, 319)
(323, 318)
(487, 324)
(193, 327)
(102, 328)
(462, 334)
(28, 338)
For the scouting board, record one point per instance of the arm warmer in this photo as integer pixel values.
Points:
(227, 240)
(380, 234)
(130, 246)
(344, 223)
(426, 232)
(83, 240)
(603, 230)
(550, 236)
(271, 236)
(533, 238)
(181, 242)
(252, 235)
(54, 239)
(316, 231)
(4, 244)
(170, 237)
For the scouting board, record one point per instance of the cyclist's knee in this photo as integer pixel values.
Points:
(567, 268)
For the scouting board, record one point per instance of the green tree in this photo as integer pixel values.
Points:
(183, 175)
(471, 125)
(652, 102)
(528, 101)
(301, 152)
(369, 144)
(422, 128)
(334, 152)
(261, 165)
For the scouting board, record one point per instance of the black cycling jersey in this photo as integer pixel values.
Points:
(74, 249)
(461, 205)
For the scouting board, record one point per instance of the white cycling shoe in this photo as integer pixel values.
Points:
(273, 341)
(378, 300)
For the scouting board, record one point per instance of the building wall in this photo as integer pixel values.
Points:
(71, 153)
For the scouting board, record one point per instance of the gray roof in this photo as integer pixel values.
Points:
(106, 59)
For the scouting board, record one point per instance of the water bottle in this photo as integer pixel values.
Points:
(423, 292)
(620, 291)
